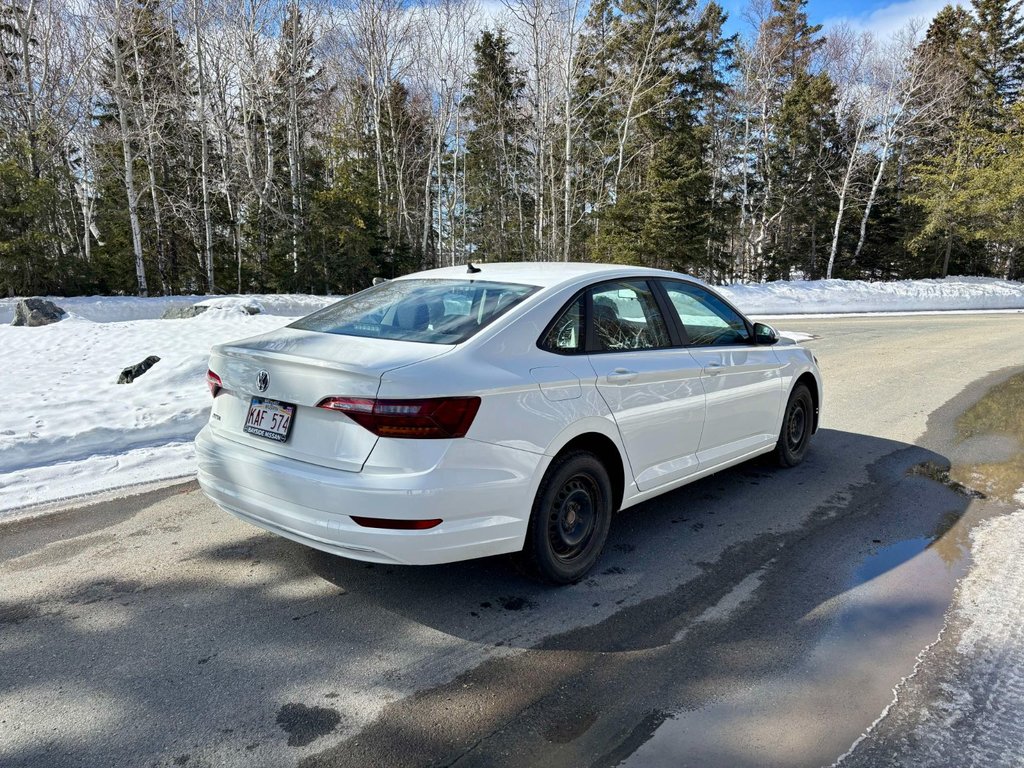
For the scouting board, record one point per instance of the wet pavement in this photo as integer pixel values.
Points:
(758, 617)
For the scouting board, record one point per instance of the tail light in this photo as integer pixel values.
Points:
(214, 383)
(431, 418)
(396, 525)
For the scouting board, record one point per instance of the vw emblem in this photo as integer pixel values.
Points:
(262, 381)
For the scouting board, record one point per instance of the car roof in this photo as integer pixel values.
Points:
(546, 274)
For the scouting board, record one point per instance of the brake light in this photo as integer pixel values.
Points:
(214, 383)
(431, 418)
(396, 525)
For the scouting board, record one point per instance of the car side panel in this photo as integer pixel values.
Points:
(659, 409)
(744, 394)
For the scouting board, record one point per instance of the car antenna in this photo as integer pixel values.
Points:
(471, 269)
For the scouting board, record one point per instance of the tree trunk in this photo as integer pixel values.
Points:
(129, 171)
(204, 171)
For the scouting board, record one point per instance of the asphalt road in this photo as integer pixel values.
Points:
(759, 617)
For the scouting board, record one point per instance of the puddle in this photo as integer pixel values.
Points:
(887, 558)
(891, 605)
(990, 440)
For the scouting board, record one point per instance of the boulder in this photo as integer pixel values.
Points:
(34, 312)
(233, 303)
(182, 313)
(131, 373)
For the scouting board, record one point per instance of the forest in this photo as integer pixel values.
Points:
(158, 147)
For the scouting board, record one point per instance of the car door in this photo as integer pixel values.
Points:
(742, 380)
(651, 384)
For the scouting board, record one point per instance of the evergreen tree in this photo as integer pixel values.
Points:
(36, 200)
(997, 51)
(498, 208)
(662, 215)
(799, 152)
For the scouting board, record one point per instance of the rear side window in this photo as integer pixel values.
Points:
(567, 332)
(431, 311)
(626, 317)
(708, 320)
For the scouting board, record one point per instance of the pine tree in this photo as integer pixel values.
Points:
(997, 50)
(940, 161)
(499, 210)
(798, 153)
(663, 214)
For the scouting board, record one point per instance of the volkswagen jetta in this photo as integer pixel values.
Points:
(473, 411)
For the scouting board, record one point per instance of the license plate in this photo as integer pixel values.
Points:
(269, 419)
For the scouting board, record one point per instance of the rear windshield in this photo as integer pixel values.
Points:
(433, 311)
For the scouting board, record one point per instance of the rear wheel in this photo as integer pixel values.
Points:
(570, 519)
(796, 427)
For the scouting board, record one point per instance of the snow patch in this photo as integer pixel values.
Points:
(113, 309)
(857, 296)
(67, 428)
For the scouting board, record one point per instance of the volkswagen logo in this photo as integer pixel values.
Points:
(262, 381)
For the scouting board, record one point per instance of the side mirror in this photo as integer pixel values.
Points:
(765, 334)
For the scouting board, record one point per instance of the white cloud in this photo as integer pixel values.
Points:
(885, 21)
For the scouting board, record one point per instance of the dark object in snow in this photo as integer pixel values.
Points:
(34, 312)
(182, 313)
(130, 374)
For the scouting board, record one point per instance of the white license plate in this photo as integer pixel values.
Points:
(269, 419)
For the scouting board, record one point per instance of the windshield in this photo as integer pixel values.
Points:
(431, 311)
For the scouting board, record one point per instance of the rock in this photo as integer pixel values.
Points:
(130, 374)
(233, 304)
(34, 312)
(183, 313)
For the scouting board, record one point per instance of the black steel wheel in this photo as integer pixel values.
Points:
(797, 425)
(570, 519)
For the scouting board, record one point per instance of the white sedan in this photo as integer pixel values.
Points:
(474, 411)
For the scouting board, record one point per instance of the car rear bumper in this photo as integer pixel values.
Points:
(483, 494)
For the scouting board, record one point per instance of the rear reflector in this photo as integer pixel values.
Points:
(396, 525)
(214, 383)
(431, 418)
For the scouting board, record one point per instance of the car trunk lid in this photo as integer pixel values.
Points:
(301, 368)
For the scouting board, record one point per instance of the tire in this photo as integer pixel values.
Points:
(796, 427)
(570, 519)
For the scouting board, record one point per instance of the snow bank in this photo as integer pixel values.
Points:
(843, 296)
(67, 428)
(112, 309)
(803, 297)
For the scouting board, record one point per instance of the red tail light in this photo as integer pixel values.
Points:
(396, 525)
(437, 417)
(214, 383)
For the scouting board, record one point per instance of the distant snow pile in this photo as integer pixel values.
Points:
(807, 297)
(113, 309)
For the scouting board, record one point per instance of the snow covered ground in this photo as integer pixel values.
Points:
(68, 429)
(855, 296)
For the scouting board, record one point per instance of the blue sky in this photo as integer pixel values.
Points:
(881, 17)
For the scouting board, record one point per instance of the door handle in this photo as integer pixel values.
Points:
(621, 376)
(713, 369)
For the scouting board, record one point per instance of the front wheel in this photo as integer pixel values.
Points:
(570, 519)
(796, 427)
